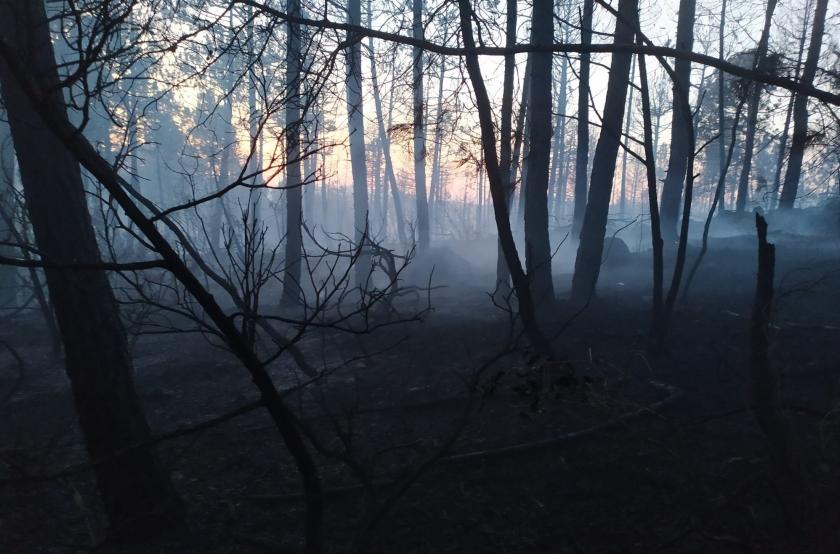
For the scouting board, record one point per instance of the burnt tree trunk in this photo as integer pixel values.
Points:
(717, 199)
(754, 91)
(557, 172)
(783, 140)
(506, 153)
(419, 128)
(765, 387)
(655, 225)
(356, 131)
(294, 192)
(622, 205)
(435, 193)
(590, 249)
(54, 119)
(672, 188)
(497, 187)
(537, 244)
(385, 143)
(721, 112)
(519, 135)
(136, 491)
(8, 274)
(582, 155)
(800, 111)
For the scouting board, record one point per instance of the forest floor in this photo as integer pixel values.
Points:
(620, 451)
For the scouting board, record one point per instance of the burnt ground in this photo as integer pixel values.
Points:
(622, 451)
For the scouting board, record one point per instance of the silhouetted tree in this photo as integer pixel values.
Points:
(582, 153)
(800, 110)
(356, 131)
(537, 245)
(753, 104)
(675, 178)
(591, 247)
(294, 182)
(135, 490)
(419, 128)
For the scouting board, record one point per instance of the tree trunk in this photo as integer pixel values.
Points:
(721, 107)
(765, 398)
(590, 249)
(800, 111)
(557, 186)
(419, 128)
(497, 188)
(718, 198)
(356, 128)
(655, 225)
(622, 203)
(435, 192)
(376, 211)
(8, 275)
(138, 496)
(582, 155)
(19, 236)
(506, 155)
(310, 167)
(783, 140)
(294, 183)
(54, 115)
(386, 143)
(752, 111)
(537, 244)
(225, 170)
(525, 144)
(672, 188)
(255, 162)
(519, 136)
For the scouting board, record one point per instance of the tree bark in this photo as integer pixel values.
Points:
(537, 243)
(672, 188)
(138, 496)
(590, 249)
(800, 111)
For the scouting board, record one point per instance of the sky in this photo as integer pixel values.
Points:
(744, 22)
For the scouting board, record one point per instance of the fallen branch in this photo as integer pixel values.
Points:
(673, 394)
(100, 266)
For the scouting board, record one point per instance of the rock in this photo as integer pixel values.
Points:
(449, 268)
(616, 253)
